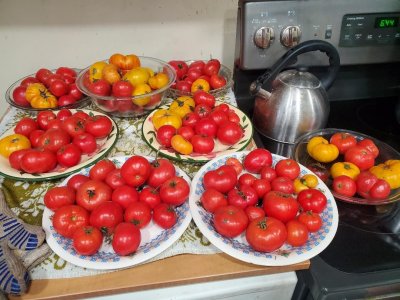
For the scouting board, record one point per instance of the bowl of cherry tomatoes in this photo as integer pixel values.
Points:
(127, 85)
(356, 167)
(193, 75)
(47, 90)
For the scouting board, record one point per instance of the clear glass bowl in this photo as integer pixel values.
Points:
(10, 100)
(386, 152)
(124, 106)
(224, 72)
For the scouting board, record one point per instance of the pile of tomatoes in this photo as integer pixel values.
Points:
(39, 145)
(353, 170)
(262, 200)
(48, 89)
(198, 75)
(117, 203)
(193, 125)
(124, 77)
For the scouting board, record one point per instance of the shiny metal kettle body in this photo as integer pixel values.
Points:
(298, 102)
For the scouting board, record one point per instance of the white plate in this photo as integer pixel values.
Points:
(103, 147)
(154, 239)
(149, 134)
(238, 247)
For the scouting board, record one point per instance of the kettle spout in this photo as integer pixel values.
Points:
(256, 90)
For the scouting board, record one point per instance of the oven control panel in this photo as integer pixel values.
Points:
(363, 31)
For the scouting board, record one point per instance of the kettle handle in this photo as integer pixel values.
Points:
(291, 54)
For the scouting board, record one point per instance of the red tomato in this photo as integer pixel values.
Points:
(344, 185)
(312, 220)
(266, 234)
(380, 190)
(67, 219)
(43, 118)
(87, 240)
(37, 161)
(57, 197)
(212, 67)
(92, 193)
(161, 170)
(207, 127)
(282, 184)
(287, 168)
(256, 159)
(202, 97)
(369, 186)
(138, 213)
(217, 81)
(99, 126)
(81, 114)
(101, 169)
(28, 81)
(243, 197)
(85, 142)
(202, 111)
(268, 173)
(246, 179)
(233, 117)
(164, 215)
(34, 137)
(189, 119)
(65, 71)
(136, 170)
(165, 134)
(281, 206)
(100, 87)
(211, 200)
(198, 64)
(187, 132)
(63, 114)
(106, 216)
(150, 196)
(66, 100)
(74, 125)
(43, 74)
(114, 179)
(230, 221)
(69, 155)
(77, 180)
(54, 124)
(180, 68)
(224, 107)
(58, 87)
(297, 233)
(174, 191)
(74, 91)
(15, 158)
(229, 133)
(312, 199)
(222, 179)
(202, 144)
(126, 239)
(261, 186)
(183, 86)
(235, 163)
(26, 126)
(320, 170)
(370, 146)
(254, 212)
(54, 139)
(360, 156)
(18, 96)
(125, 196)
(122, 88)
(343, 141)
(219, 117)
(193, 74)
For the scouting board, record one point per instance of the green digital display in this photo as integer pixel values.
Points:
(386, 22)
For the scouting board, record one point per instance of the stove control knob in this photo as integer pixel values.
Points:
(290, 36)
(264, 37)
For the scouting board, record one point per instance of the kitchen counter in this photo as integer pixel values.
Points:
(172, 271)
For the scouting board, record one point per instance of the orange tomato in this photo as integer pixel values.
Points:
(158, 81)
(110, 74)
(200, 85)
(125, 62)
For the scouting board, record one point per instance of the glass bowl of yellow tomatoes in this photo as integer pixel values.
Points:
(127, 85)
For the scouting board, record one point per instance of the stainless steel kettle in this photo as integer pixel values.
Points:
(298, 102)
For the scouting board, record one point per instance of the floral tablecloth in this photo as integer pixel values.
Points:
(26, 199)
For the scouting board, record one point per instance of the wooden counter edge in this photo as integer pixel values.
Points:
(172, 271)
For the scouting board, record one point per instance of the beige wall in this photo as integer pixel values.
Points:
(52, 33)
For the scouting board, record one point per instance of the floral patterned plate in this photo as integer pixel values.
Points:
(154, 239)
(238, 247)
(103, 147)
(149, 135)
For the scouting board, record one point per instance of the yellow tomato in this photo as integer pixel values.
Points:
(96, 70)
(40, 97)
(12, 143)
(149, 70)
(158, 81)
(137, 76)
(166, 117)
(181, 145)
(345, 168)
(200, 85)
(389, 171)
(110, 74)
(182, 106)
(321, 150)
(138, 90)
(299, 186)
(309, 180)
